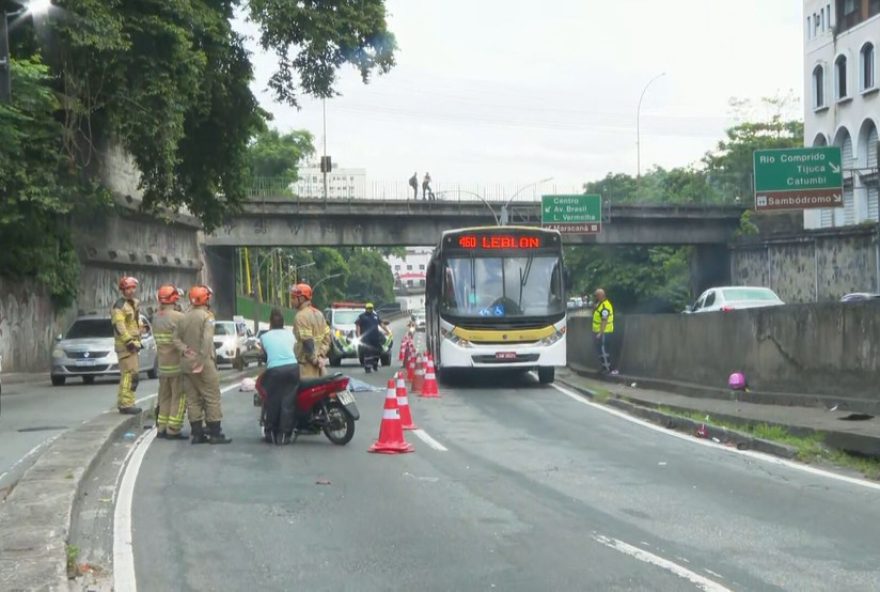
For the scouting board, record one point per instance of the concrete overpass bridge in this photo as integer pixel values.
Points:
(296, 222)
(334, 223)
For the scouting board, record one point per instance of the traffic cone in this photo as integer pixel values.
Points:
(403, 404)
(419, 376)
(407, 354)
(402, 351)
(411, 367)
(430, 389)
(391, 431)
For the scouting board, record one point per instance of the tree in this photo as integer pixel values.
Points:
(276, 155)
(40, 191)
(370, 276)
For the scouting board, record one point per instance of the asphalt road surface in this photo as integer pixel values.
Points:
(515, 486)
(35, 414)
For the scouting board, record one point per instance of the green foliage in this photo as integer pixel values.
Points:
(314, 39)
(370, 276)
(39, 187)
(276, 155)
(746, 226)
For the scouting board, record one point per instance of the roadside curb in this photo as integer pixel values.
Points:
(10, 378)
(723, 436)
(725, 394)
(35, 517)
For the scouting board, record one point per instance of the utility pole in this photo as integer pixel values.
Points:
(324, 160)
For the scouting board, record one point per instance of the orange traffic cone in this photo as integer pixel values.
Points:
(411, 367)
(403, 404)
(430, 389)
(419, 376)
(391, 432)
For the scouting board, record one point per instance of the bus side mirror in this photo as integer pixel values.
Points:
(566, 278)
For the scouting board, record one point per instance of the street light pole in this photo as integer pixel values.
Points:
(504, 214)
(481, 198)
(638, 126)
(322, 280)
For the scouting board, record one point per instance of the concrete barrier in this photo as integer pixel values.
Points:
(811, 349)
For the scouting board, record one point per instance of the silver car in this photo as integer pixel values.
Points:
(87, 351)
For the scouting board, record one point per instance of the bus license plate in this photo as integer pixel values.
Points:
(505, 355)
(345, 397)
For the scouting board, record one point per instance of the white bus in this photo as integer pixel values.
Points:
(495, 298)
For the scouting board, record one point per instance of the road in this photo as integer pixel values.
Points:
(34, 414)
(536, 490)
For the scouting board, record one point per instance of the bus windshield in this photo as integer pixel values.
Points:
(502, 287)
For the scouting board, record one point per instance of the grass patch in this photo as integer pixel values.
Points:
(72, 556)
(601, 395)
(810, 449)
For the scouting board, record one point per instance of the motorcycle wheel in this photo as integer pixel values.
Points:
(340, 428)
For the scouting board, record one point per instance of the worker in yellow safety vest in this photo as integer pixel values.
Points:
(603, 330)
(172, 401)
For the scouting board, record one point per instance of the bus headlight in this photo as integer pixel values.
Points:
(556, 336)
(455, 339)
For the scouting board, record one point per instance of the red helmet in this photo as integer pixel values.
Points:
(128, 282)
(200, 295)
(303, 290)
(169, 294)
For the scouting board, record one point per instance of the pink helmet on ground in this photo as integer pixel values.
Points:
(737, 381)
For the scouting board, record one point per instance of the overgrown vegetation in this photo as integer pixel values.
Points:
(169, 82)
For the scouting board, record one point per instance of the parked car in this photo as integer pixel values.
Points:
(234, 344)
(729, 298)
(86, 351)
(859, 297)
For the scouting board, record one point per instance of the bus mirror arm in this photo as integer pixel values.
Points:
(567, 279)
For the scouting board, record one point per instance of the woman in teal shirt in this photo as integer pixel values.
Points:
(280, 380)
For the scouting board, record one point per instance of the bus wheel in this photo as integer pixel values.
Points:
(546, 375)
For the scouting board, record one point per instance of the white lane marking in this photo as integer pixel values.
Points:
(124, 579)
(123, 555)
(427, 439)
(699, 581)
(749, 453)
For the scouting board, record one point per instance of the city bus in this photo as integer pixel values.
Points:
(495, 298)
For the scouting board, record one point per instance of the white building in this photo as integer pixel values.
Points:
(409, 271)
(341, 183)
(842, 100)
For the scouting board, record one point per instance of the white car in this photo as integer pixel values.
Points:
(729, 298)
(419, 317)
(233, 344)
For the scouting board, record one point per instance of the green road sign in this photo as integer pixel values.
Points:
(798, 178)
(574, 214)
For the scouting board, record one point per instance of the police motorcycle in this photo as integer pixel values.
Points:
(323, 404)
(370, 355)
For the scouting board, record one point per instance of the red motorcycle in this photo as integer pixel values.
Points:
(322, 404)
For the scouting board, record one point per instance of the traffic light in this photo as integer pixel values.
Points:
(326, 165)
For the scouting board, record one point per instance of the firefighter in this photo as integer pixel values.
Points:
(125, 316)
(311, 332)
(172, 401)
(194, 338)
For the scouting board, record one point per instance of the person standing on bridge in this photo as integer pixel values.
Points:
(414, 183)
(427, 192)
(172, 401)
(126, 318)
(311, 332)
(194, 338)
(603, 330)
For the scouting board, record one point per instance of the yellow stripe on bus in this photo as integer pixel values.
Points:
(504, 336)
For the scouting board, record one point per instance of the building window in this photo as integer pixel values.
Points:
(867, 54)
(396, 268)
(409, 283)
(409, 267)
(840, 77)
(818, 87)
(422, 283)
(421, 267)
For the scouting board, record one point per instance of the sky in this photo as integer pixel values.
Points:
(513, 91)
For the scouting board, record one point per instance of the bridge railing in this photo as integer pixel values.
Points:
(284, 188)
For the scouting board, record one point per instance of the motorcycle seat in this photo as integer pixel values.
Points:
(310, 382)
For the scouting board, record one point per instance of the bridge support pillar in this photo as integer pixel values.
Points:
(220, 275)
(710, 267)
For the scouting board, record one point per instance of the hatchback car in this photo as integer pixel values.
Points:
(730, 298)
(86, 351)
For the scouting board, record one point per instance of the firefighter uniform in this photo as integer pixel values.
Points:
(172, 400)
(201, 382)
(125, 316)
(312, 340)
